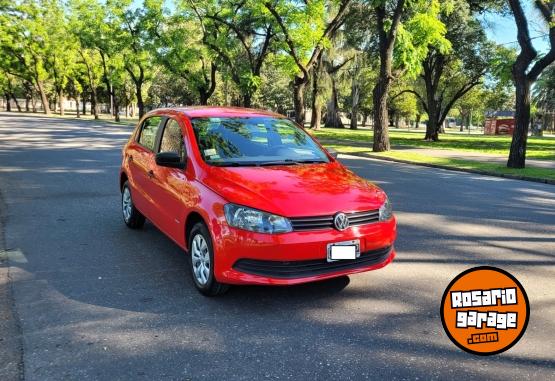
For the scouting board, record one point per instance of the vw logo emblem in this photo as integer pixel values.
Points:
(340, 221)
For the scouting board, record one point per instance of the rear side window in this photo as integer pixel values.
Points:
(147, 138)
(172, 140)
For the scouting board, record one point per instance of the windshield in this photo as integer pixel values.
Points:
(254, 141)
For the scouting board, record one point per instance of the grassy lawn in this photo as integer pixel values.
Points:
(490, 168)
(538, 148)
(493, 168)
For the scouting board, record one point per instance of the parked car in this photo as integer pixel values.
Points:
(252, 198)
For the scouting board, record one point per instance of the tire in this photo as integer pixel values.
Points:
(202, 262)
(131, 216)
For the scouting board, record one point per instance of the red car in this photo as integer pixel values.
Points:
(252, 198)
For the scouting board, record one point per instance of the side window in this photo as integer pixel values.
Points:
(172, 140)
(147, 138)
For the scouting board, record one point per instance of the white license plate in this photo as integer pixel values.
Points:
(343, 250)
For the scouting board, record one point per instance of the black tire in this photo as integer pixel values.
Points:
(132, 218)
(211, 287)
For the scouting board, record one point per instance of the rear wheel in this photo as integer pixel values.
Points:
(131, 216)
(202, 262)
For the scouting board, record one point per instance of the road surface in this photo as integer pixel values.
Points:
(94, 300)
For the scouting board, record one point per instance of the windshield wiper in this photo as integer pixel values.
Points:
(310, 161)
(235, 164)
(279, 162)
(291, 162)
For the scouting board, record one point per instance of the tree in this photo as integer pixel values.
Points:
(90, 22)
(388, 18)
(306, 31)
(448, 74)
(356, 87)
(241, 35)
(25, 43)
(62, 51)
(136, 29)
(415, 24)
(526, 70)
(544, 96)
(181, 51)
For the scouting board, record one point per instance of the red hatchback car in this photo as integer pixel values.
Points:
(252, 198)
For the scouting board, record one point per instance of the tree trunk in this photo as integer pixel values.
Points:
(298, 99)
(16, 102)
(333, 118)
(116, 110)
(84, 105)
(432, 127)
(517, 155)
(247, 100)
(381, 117)
(417, 124)
(203, 95)
(355, 96)
(94, 103)
(140, 102)
(316, 116)
(77, 105)
(61, 101)
(43, 98)
(27, 103)
(111, 92)
(8, 104)
(364, 119)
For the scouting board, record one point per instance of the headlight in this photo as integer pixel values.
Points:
(386, 211)
(255, 220)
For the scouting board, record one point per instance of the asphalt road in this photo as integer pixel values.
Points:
(95, 300)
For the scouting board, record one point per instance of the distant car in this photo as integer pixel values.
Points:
(252, 198)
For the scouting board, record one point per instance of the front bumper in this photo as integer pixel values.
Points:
(244, 257)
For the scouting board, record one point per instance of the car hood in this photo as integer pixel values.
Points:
(295, 190)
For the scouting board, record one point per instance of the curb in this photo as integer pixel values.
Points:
(467, 170)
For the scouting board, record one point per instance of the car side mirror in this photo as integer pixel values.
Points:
(170, 159)
(332, 152)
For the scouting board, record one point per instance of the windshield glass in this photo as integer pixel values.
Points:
(254, 141)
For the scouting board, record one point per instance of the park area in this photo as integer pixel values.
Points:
(447, 106)
(94, 301)
(456, 150)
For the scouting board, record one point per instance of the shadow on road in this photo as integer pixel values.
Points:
(98, 300)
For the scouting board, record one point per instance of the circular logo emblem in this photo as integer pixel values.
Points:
(340, 221)
(485, 310)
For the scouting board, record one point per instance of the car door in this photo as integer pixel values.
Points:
(172, 188)
(140, 157)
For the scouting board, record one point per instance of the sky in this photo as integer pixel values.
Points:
(503, 29)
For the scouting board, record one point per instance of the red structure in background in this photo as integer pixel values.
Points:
(496, 126)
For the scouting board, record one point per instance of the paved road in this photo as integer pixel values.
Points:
(98, 301)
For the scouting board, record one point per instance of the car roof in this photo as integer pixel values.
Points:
(216, 112)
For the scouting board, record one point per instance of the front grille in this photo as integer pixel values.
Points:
(303, 269)
(326, 222)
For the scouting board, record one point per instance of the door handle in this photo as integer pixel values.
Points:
(150, 174)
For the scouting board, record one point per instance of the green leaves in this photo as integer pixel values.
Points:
(419, 33)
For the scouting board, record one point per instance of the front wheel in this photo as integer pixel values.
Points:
(131, 216)
(202, 262)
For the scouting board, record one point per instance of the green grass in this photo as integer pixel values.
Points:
(538, 147)
(490, 168)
